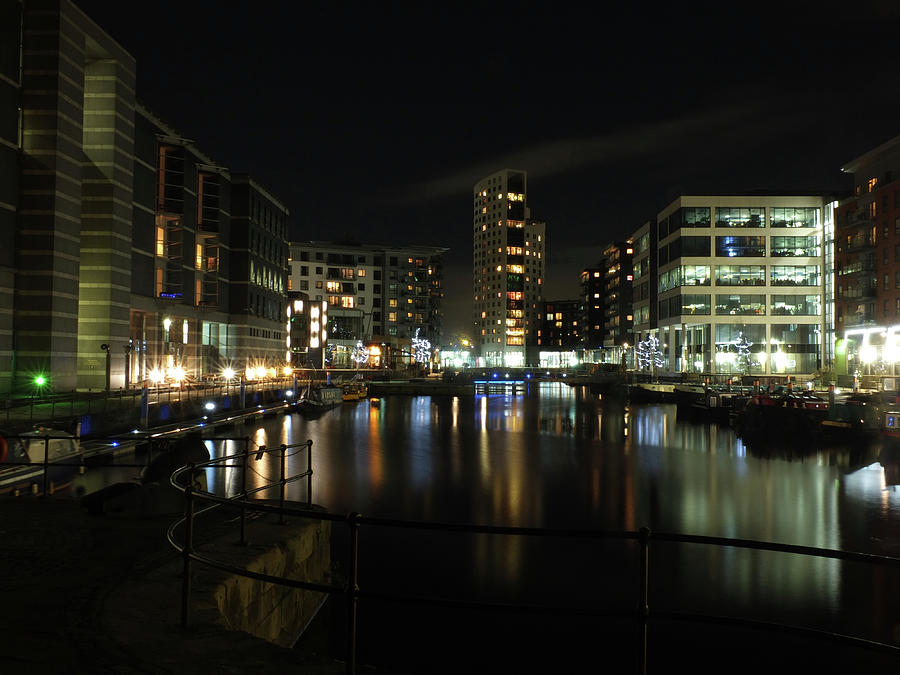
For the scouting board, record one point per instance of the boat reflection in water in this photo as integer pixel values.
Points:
(562, 457)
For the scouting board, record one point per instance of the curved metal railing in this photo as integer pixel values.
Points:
(353, 593)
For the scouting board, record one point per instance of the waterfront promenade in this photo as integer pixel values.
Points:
(89, 594)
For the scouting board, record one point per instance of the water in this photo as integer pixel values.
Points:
(563, 458)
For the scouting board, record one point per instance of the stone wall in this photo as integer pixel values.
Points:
(272, 612)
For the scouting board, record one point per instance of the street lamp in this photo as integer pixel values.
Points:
(105, 347)
(39, 382)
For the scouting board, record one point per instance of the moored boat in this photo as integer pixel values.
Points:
(354, 390)
(319, 399)
(853, 418)
(709, 403)
(24, 456)
(651, 392)
(781, 417)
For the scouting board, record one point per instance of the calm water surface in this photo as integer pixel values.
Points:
(563, 458)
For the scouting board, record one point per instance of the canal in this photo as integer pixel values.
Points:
(562, 457)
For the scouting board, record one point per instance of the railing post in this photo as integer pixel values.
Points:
(244, 492)
(281, 520)
(352, 591)
(309, 472)
(46, 476)
(643, 606)
(188, 547)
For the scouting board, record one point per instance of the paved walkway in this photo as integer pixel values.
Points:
(101, 594)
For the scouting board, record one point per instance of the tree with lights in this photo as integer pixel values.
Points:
(421, 348)
(360, 354)
(744, 358)
(648, 353)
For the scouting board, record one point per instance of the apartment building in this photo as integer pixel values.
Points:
(591, 311)
(508, 264)
(373, 293)
(618, 318)
(867, 284)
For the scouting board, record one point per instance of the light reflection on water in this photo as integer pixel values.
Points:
(561, 457)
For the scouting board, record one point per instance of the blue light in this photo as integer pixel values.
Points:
(527, 376)
(494, 375)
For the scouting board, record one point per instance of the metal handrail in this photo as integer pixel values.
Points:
(350, 588)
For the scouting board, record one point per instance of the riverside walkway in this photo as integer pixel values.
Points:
(89, 594)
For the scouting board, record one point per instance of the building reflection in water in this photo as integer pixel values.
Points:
(561, 457)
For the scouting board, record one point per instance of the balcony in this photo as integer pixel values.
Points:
(860, 242)
(858, 268)
(856, 293)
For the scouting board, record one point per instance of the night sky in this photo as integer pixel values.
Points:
(374, 120)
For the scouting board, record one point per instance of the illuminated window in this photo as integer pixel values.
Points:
(872, 184)
(392, 302)
(360, 273)
(333, 286)
(199, 256)
(392, 316)
(160, 241)
(348, 301)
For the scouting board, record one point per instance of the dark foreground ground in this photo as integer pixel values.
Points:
(100, 594)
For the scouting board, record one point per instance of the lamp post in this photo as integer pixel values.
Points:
(39, 382)
(127, 349)
(105, 347)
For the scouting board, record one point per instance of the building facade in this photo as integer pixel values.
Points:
(618, 318)
(120, 264)
(867, 243)
(643, 288)
(560, 325)
(508, 264)
(375, 294)
(10, 147)
(741, 284)
(591, 310)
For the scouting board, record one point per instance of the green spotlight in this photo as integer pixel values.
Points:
(40, 380)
